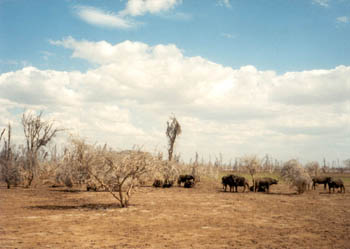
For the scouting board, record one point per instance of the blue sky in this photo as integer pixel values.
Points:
(280, 35)
(243, 77)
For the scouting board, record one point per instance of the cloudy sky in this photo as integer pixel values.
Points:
(242, 77)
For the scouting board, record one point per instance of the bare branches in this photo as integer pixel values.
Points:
(313, 168)
(38, 133)
(173, 130)
(2, 133)
(252, 164)
(9, 171)
(116, 172)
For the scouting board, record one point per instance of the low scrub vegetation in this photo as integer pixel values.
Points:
(102, 168)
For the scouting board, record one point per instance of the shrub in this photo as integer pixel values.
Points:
(296, 175)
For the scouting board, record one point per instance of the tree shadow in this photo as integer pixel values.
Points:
(89, 206)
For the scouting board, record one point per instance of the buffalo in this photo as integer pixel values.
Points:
(320, 179)
(234, 182)
(189, 184)
(157, 183)
(168, 183)
(336, 183)
(240, 181)
(265, 183)
(184, 178)
(227, 181)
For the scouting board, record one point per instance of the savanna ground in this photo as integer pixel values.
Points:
(202, 217)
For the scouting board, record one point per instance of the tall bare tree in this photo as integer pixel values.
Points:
(8, 167)
(38, 133)
(173, 131)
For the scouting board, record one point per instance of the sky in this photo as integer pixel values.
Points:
(242, 77)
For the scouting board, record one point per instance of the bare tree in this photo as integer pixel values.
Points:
(252, 163)
(8, 168)
(313, 168)
(173, 131)
(38, 133)
(116, 172)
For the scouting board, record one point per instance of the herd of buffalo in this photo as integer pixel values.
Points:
(259, 184)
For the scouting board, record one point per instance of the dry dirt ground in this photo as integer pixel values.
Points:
(202, 217)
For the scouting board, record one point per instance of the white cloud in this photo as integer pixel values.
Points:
(141, 7)
(323, 3)
(101, 18)
(343, 19)
(128, 97)
(133, 8)
(225, 3)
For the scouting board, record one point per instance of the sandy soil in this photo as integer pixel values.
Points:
(202, 217)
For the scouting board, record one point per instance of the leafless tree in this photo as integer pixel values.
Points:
(313, 168)
(9, 171)
(173, 131)
(252, 163)
(116, 172)
(38, 133)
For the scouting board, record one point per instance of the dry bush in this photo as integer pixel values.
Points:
(296, 175)
(116, 172)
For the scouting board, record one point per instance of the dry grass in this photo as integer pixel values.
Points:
(202, 217)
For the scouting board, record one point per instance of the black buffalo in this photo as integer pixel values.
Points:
(227, 181)
(157, 183)
(184, 178)
(168, 184)
(234, 182)
(265, 183)
(322, 180)
(189, 184)
(240, 181)
(336, 183)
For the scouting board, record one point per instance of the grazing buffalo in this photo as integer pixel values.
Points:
(265, 183)
(157, 183)
(320, 179)
(240, 181)
(336, 183)
(184, 178)
(234, 182)
(168, 184)
(227, 181)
